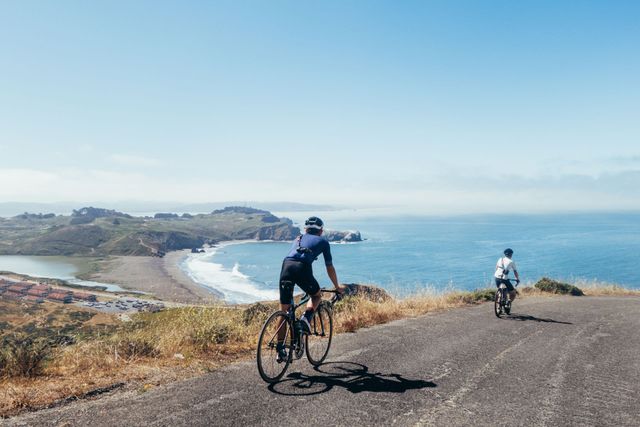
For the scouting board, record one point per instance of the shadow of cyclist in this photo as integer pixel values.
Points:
(523, 318)
(353, 377)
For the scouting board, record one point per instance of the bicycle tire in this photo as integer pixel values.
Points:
(497, 303)
(318, 342)
(266, 355)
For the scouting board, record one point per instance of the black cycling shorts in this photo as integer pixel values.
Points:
(510, 287)
(296, 273)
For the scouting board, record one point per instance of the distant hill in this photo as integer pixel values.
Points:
(10, 209)
(97, 232)
(269, 206)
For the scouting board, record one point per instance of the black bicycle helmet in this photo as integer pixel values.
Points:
(314, 222)
(508, 252)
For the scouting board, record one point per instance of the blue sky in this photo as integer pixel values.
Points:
(429, 106)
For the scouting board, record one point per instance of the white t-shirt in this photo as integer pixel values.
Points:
(503, 267)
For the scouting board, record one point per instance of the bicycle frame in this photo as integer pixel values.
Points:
(291, 315)
(503, 292)
(293, 306)
(503, 289)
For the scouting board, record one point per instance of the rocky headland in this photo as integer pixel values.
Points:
(343, 236)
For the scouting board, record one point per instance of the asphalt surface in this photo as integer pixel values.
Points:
(554, 362)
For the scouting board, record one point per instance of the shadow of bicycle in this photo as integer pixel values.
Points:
(524, 318)
(353, 377)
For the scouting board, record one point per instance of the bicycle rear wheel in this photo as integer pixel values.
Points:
(497, 303)
(276, 329)
(319, 340)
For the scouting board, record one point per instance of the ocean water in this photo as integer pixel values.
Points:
(405, 255)
(55, 267)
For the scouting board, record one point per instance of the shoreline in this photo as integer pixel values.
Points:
(163, 278)
(160, 277)
(230, 287)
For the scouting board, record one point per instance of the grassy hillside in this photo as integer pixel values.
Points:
(99, 232)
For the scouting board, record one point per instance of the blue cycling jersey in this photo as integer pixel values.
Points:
(316, 245)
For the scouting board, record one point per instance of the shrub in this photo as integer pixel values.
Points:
(478, 295)
(136, 347)
(483, 294)
(81, 316)
(347, 304)
(213, 333)
(548, 285)
(22, 356)
(257, 312)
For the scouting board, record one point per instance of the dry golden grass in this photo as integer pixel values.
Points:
(355, 313)
(155, 348)
(596, 288)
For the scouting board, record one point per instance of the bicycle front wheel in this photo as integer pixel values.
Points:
(497, 303)
(277, 329)
(319, 340)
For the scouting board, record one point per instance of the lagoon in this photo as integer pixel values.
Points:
(55, 267)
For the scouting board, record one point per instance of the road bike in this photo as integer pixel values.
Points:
(501, 303)
(283, 327)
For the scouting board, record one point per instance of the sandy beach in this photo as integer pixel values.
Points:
(161, 277)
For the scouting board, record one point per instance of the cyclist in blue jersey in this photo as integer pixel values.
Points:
(296, 270)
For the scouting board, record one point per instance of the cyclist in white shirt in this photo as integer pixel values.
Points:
(504, 265)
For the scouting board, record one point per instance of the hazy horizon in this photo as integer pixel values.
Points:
(432, 107)
(141, 208)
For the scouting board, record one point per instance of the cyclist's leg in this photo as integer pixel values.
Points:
(511, 290)
(314, 302)
(287, 282)
(498, 282)
(310, 285)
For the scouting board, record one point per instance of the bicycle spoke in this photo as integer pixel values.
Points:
(270, 366)
(275, 335)
(319, 342)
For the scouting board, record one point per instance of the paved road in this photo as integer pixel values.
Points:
(555, 362)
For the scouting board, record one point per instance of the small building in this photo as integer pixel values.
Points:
(83, 296)
(41, 287)
(18, 288)
(60, 297)
(40, 293)
(25, 285)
